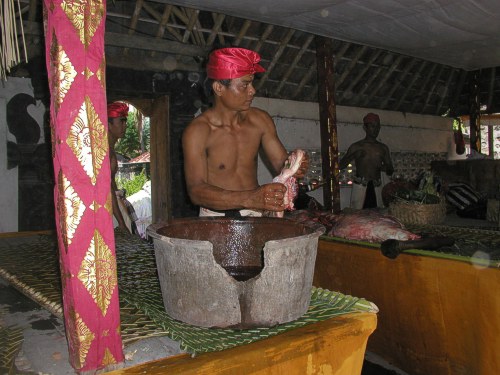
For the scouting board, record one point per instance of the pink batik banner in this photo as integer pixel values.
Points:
(74, 42)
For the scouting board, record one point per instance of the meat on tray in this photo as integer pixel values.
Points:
(362, 225)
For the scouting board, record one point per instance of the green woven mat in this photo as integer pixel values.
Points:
(146, 294)
(480, 247)
(31, 264)
(11, 341)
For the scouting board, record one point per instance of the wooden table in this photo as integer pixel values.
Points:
(335, 346)
(437, 316)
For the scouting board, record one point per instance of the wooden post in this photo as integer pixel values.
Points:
(328, 123)
(74, 44)
(475, 114)
(160, 160)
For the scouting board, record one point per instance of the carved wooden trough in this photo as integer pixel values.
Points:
(238, 273)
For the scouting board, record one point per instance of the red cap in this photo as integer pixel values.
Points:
(371, 118)
(229, 63)
(117, 109)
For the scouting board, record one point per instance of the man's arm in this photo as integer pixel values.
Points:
(116, 208)
(347, 158)
(271, 144)
(388, 167)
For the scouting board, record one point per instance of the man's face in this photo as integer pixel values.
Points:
(240, 93)
(117, 126)
(372, 129)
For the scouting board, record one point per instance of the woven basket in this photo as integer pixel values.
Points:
(415, 213)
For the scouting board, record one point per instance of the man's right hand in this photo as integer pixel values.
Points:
(270, 197)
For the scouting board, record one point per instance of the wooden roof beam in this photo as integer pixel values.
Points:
(135, 17)
(193, 18)
(198, 33)
(368, 65)
(368, 84)
(422, 87)
(416, 75)
(159, 19)
(262, 39)
(351, 65)
(491, 89)
(394, 87)
(432, 90)
(242, 32)
(171, 27)
(303, 82)
(445, 94)
(164, 20)
(32, 10)
(155, 64)
(310, 72)
(218, 20)
(458, 91)
(294, 63)
(133, 21)
(382, 82)
(167, 10)
(152, 44)
(276, 57)
(313, 94)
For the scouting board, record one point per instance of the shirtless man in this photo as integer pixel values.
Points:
(371, 157)
(117, 125)
(221, 145)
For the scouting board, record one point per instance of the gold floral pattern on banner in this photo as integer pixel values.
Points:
(85, 17)
(70, 208)
(82, 340)
(53, 137)
(108, 358)
(101, 73)
(98, 272)
(94, 206)
(88, 73)
(109, 204)
(63, 72)
(88, 140)
(61, 210)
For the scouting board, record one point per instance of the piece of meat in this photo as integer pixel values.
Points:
(286, 177)
(370, 226)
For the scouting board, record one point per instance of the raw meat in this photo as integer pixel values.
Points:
(370, 226)
(286, 177)
(363, 225)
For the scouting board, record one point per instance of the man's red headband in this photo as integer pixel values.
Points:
(371, 118)
(229, 63)
(117, 109)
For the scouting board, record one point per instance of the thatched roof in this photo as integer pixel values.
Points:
(375, 66)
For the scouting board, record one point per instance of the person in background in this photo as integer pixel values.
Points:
(221, 145)
(117, 125)
(370, 157)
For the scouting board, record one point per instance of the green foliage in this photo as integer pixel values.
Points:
(134, 185)
(417, 196)
(129, 145)
(146, 133)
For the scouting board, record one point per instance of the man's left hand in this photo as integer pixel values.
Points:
(304, 167)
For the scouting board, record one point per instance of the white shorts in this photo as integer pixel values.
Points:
(358, 194)
(250, 213)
